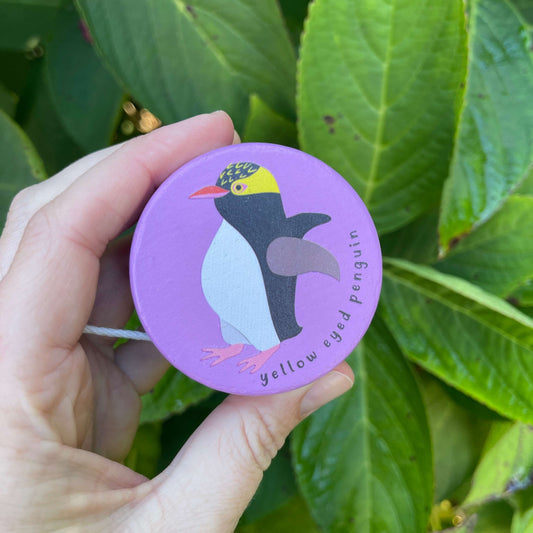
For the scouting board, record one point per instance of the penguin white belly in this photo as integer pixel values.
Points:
(234, 288)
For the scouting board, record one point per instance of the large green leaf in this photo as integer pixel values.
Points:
(378, 89)
(23, 23)
(173, 394)
(497, 256)
(457, 438)
(183, 58)
(364, 461)
(21, 165)
(494, 145)
(506, 467)
(469, 338)
(85, 95)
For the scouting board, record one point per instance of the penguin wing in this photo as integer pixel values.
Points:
(290, 256)
(301, 223)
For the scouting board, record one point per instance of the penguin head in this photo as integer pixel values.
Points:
(244, 179)
(240, 180)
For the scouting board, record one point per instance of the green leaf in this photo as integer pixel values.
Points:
(146, 450)
(418, 241)
(8, 100)
(493, 517)
(265, 125)
(378, 87)
(294, 13)
(469, 338)
(183, 58)
(173, 394)
(457, 438)
(497, 256)
(293, 517)
(494, 145)
(24, 23)
(37, 114)
(364, 461)
(21, 165)
(523, 295)
(525, 8)
(522, 521)
(84, 93)
(507, 466)
(277, 487)
(526, 186)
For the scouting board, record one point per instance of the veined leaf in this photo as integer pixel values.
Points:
(173, 394)
(183, 58)
(364, 461)
(494, 145)
(85, 95)
(466, 336)
(457, 438)
(497, 256)
(21, 165)
(378, 89)
(507, 466)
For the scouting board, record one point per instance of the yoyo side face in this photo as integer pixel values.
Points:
(255, 269)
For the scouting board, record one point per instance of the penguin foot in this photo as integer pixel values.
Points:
(222, 354)
(257, 361)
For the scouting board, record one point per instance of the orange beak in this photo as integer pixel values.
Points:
(213, 191)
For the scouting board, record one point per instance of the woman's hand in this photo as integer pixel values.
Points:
(69, 403)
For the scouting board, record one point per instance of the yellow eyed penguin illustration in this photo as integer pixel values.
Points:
(250, 269)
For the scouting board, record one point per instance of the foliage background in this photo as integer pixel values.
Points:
(426, 108)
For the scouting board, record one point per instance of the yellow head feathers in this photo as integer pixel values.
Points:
(244, 179)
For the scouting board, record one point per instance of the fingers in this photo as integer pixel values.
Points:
(113, 304)
(217, 472)
(51, 285)
(143, 364)
(33, 198)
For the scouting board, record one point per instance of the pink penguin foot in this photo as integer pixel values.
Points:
(257, 361)
(222, 354)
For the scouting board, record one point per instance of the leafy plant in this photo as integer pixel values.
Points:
(426, 108)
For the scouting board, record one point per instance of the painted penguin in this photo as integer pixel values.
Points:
(250, 269)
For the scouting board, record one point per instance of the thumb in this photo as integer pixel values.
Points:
(213, 478)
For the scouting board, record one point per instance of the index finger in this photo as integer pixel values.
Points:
(48, 293)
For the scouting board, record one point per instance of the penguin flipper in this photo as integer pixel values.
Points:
(301, 223)
(289, 256)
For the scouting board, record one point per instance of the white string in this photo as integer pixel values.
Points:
(117, 333)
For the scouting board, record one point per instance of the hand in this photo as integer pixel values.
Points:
(69, 404)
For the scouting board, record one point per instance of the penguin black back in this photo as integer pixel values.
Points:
(260, 219)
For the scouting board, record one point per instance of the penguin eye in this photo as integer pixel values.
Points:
(239, 187)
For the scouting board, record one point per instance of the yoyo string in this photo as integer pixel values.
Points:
(117, 333)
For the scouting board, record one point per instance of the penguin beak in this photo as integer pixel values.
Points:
(213, 191)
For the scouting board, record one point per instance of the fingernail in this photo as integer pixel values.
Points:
(324, 390)
(218, 111)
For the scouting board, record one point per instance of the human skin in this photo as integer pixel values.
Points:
(69, 403)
